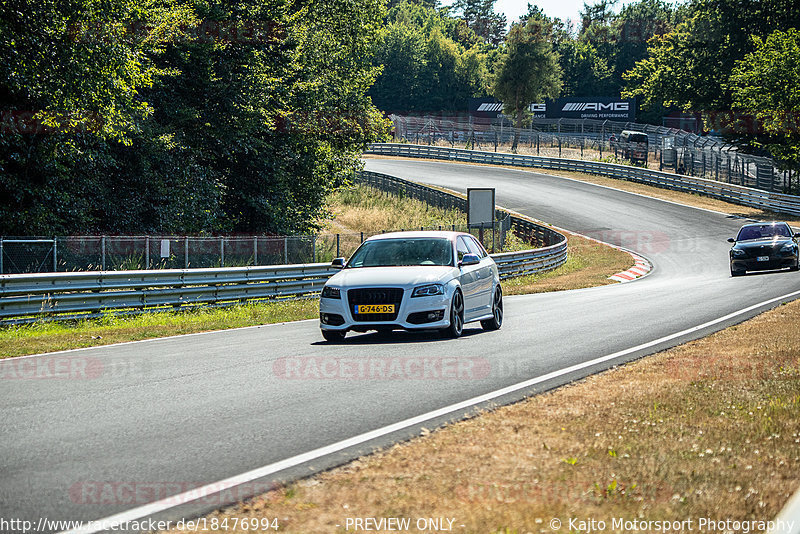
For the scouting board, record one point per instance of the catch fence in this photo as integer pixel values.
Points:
(668, 149)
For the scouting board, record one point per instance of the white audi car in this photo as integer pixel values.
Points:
(412, 281)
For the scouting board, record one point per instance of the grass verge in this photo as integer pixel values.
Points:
(589, 264)
(688, 199)
(710, 429)
(48, 337)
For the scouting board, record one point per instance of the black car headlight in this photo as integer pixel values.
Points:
(737, 253)
(788, 248)
(329, 292)
(429, 290)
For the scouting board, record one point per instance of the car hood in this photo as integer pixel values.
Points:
(392, 276)
(758, 243)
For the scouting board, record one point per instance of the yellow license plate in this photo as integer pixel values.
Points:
(374, 308)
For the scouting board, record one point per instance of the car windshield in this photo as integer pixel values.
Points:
(763, 231)
(391, 252)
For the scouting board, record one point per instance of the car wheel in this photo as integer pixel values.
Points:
(456, 316)
(796, 265)
(497, 312)
(333, 336)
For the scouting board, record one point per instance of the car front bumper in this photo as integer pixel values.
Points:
(774, 262)
(418, 313)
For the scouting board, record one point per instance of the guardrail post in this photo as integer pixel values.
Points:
(103, 253)
(147, 252)
(186, 252)
(55, 254)
(313, 249)
(255, 250)
(1, 255)
(338, 254)
(222, 252)
(286, 250)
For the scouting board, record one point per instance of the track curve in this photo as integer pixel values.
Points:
(191, 410)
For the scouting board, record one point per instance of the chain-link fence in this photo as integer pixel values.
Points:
(116, 253)
(668, 149)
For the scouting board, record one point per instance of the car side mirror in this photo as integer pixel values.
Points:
(469, 259)
(731, 240)
(797, 234)
(338, 263)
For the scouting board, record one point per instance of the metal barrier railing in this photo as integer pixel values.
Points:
(756, 198)
(62, 296)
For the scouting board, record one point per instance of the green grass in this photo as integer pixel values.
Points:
(51, 336)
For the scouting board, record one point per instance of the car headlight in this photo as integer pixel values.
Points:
(329, 292)
(737, 252)
(788, 248)
(428, 290)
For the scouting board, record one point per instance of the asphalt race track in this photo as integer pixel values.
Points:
(141, 421)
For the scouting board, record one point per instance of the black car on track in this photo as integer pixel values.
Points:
(764, 246)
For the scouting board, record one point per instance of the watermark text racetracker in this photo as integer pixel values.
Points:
(70, 367)
(400, 368)
(696, 524)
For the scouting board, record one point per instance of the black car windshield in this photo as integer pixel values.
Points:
(763, 231)
(392, 252)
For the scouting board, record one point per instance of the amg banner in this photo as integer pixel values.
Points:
(600, 107)
(491, 108)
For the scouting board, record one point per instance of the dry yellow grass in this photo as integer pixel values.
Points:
(650, 191)
(710, 429)
(365, 209)
(589, 264)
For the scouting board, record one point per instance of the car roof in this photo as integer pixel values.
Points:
(768, 223)
(416, 234)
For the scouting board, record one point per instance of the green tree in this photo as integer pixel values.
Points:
(192, 117)
(765, 84)
(585, 72)
(529, 71)
(424, 67)
(480, 16)
(689, 67)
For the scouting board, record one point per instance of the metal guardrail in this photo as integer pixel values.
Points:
(60, 296)
(553, 251)
(678, 151)
(26, 298)
(746, 196)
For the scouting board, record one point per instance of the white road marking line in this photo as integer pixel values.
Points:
(199, 493)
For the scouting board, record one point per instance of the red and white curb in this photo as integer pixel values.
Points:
(640, 268)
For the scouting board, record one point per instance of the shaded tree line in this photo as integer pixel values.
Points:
(123, 116)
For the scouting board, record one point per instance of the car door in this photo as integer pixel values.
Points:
(469, 280)
(485, 276)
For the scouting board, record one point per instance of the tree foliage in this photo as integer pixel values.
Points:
(204, 116)
(765, 86)
(529, 71)
(689, 67)
(431, 62)
(480, 17)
